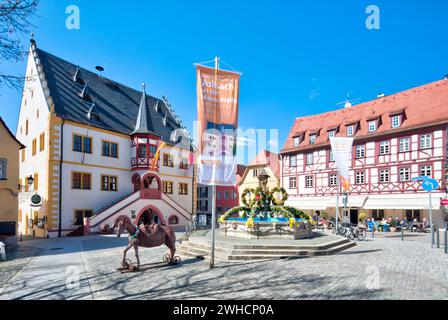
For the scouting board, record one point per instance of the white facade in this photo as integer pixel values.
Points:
(58, 161)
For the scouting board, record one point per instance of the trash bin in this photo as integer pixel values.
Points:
(2, 251)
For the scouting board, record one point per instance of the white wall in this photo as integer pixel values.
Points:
(97, 165)
(33, 99)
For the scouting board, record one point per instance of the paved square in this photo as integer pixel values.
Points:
(383, 268)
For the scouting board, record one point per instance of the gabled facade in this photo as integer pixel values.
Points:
(266, 162)
(396, 138)
(9, 179)
(99, 149)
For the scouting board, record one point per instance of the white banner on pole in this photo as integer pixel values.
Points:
(342, 153)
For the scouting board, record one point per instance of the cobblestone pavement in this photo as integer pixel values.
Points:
(380, 268)
(16, 261)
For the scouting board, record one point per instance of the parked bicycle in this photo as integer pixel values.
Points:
(351, 231)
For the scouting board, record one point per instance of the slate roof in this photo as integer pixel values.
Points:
(117, 104)
(422, 106)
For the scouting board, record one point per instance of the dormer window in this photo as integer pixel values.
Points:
(296, 141)
(372, 126)
(312, 139)
(351, 130)
(396, 121)
(331, 134)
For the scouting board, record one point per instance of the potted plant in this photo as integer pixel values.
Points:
(393, 225)
(362, 217)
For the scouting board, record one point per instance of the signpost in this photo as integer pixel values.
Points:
(429, 185)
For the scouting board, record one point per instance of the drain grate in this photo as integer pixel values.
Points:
(54, 249)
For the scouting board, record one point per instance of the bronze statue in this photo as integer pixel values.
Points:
(263, 181)
(150, 236)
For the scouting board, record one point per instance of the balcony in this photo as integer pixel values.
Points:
(150, 194)
(143, 164)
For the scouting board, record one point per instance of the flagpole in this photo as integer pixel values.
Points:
(337, 203)
(212, 256)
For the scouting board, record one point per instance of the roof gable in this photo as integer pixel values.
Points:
(2, 123)
(424, 105)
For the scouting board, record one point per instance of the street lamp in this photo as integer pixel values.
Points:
(30, 180)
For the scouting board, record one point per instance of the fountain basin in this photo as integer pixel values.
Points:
(270, 228)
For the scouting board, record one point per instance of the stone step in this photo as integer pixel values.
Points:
(228, 246)
(202, 254)
(264, 254)
(199, 251)
(205, 246)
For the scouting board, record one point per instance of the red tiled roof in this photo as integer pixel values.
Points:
(422, 106)
(239, 172)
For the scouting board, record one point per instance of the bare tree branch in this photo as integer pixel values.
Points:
(15, 22)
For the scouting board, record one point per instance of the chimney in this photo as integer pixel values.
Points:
(381, 95)
(446, 76)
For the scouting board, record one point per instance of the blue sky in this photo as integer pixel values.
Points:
(298, 57)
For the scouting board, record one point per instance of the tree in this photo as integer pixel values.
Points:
(15, 21)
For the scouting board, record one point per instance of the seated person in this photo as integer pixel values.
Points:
(150, 229)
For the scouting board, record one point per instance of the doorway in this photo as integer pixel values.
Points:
(354, 216)
(148, 217)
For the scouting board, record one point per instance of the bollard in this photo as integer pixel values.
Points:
(402, 234)
(438, 238)
(373, 232)
(2, 252)
(432, 236)
(446, 242)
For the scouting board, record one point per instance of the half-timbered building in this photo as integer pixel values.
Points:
(396, 138)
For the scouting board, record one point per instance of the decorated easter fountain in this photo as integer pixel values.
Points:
(265, 216)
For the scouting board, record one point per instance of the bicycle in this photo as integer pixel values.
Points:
(358, 233)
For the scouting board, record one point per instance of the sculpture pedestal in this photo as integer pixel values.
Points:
(266, 230)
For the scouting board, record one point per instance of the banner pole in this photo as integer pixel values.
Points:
(212, 256)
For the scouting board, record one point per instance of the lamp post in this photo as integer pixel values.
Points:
(30, 181)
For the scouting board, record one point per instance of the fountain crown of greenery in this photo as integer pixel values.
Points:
(264, 203)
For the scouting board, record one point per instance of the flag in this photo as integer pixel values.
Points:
(342, 153)
(156, 156)
(217, 100)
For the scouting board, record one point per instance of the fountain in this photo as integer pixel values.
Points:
(265, 216)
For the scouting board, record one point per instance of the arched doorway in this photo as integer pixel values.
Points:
(151, 187)
(148, 215)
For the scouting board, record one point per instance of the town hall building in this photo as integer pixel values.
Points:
(97, 150)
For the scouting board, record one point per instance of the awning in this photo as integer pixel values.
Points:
(420, 202)
(307, 203)
(353, 202)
